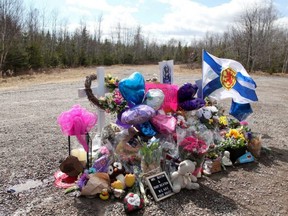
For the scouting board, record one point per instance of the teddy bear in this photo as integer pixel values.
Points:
(186, 97)
(183, 178)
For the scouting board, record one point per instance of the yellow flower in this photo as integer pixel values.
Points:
(111, 81)
(223, 120)
(241, 136)
(233, 133)
(210, 121)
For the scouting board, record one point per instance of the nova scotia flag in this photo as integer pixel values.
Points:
(226, 78)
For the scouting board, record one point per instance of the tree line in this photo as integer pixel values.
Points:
(26, 43)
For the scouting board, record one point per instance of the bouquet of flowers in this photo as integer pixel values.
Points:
(194, 149)
(111, 82)
(113, 102)
(234, 139)
(235, 142)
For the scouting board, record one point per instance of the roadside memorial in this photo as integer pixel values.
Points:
(163, 137)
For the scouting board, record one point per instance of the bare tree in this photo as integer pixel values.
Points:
(10, 26)
(99, 28)
(255, 30)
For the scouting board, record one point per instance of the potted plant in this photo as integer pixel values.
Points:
(234, 142)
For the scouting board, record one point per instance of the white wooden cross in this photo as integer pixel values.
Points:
(99, 91)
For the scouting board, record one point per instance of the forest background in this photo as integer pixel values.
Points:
(26, 43)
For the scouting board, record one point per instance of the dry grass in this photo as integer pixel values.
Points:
(77, 74)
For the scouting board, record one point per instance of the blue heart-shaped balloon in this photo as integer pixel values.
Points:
(133, 88)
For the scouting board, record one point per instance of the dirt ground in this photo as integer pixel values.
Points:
(31, 146)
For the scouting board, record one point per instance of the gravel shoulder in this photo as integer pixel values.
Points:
(31, 146)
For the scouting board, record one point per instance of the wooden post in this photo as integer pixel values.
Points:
(99, 91)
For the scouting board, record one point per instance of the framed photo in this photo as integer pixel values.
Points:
(166, 71)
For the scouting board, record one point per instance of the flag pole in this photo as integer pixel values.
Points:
(202, 73)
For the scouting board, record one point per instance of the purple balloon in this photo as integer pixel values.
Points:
(121, 124)
(137, 115)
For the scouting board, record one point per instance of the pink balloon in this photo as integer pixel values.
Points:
(164, 124)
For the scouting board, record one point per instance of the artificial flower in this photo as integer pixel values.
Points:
(233, 133)
(223, 120)
(113, 102)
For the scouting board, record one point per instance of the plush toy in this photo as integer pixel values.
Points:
(186, 98)
(118, 177)
(116, 172)
(208, 115)
(183, 178)
(109, 133)
(207, 112)
(104, 194)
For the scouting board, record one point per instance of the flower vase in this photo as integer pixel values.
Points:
(197, 172)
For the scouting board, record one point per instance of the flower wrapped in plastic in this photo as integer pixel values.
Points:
(193, 148)
(208, 115)
(111, 82)
(151, 153)
(113, 102)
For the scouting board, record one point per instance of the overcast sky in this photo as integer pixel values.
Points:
(163, 19)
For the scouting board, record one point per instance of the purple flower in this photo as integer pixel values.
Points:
(83, 180)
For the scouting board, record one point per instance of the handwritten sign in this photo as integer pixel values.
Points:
(160, 186)
(170, 103)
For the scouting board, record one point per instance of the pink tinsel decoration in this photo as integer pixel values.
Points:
(77, 122)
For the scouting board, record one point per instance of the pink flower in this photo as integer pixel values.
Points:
(103, 150)
(194, 145)
(244, 123)
(189, 148)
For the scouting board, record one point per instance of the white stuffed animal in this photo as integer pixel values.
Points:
(183, 178)
(207, 112)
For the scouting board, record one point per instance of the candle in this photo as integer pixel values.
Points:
(80, 154)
